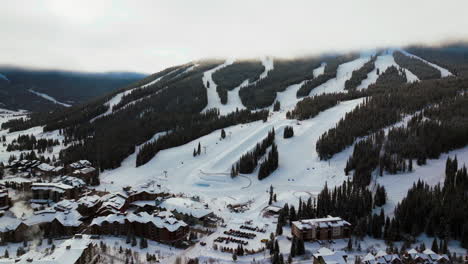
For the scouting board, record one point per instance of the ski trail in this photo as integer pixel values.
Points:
(213, 98)
(320, 70)
(118, 97)
(234, 101)
(288, 98)
(382, 63)
(343, 74)
(269, 65)
(443, 72)
(48, 97)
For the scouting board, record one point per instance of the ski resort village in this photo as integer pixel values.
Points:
(332, 159)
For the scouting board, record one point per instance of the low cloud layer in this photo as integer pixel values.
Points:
(147, 36)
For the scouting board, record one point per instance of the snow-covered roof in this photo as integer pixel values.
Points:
(323, 251)
(381, 253)
(66, 218)
(331, 257)
(3, 192)
(185, 206)
(58, 187)
(89, 201)
(149, 187)
(321, 222)
(57, 169)
(113, 200)
(67, 252)
(15, 180)
(8, 223)
(368, 257)
(428, 251)
(84, 170)
(273, 208)
(160, 221)
(72, 181)
(45, 167)
(80, 164)
(66, 205)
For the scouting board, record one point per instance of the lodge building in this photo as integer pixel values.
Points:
(162, 226)
(327, 228)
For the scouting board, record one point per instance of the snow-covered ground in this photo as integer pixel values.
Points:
(444, 72)
(48, 97)
(382, 63)
(6, 115)
(432, 173)
(343, 74)
(212, 168)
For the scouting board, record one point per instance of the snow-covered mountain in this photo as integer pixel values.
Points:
(188, 127)
(41, 90)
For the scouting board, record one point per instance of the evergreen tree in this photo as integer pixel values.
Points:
(279, 228)
(293, 249)
(223, 134)
(435, 247)
(300, 247)
(199, 149)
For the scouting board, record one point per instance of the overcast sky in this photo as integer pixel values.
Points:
(147, 36)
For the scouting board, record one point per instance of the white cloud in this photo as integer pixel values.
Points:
(148, 35)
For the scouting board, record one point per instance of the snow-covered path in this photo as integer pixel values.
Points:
(383, 62)
(343, 74)
(444, 72)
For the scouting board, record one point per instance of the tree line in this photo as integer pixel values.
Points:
(249, 161)
(384, 109)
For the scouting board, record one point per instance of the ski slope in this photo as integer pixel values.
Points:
(432, 173)
(443, 72)
(268, 64)
(383, 62)
(234, 101)
(48, 98)
(213, 98)
(209, 172)
(343, 74)
(320, 70)
(118, 97)
(288, 98)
